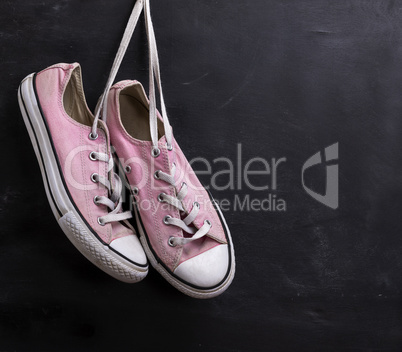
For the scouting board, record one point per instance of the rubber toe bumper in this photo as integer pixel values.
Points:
(206, 269)
(130, 247)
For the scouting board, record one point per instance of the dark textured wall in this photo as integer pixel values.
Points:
(283, 78)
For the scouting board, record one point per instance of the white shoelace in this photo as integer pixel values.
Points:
(128, 32)
(154, 74)
(114, 202)
(177, 201)
(101, 112)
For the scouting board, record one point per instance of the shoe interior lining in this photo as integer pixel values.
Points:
(134, 114)
(74, 100)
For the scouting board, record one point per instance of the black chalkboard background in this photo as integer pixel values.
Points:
(282, 79)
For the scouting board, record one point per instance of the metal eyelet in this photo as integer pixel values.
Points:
(155, 152)
(94, 177)
(127, 169)
(170, 242)
(196, 204)
(169, 147)
(135, 191)
(208, 222)
(156, 174)
(161, 197)
(92, 156)
(96, 198)
(166, 218)
(101, 222)
(93, 137)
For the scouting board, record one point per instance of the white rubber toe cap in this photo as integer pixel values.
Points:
(207, 269)
(130, 247)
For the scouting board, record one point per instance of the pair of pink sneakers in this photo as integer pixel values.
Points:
(181, 229)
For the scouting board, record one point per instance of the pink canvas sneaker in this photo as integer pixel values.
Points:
(73, 151)
(181, 227)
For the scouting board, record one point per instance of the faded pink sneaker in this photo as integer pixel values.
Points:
(181, 227)
(74, 156)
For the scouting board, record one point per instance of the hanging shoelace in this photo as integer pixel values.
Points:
(128, 32)
(114, 187)
(176, 201)
(154, 75)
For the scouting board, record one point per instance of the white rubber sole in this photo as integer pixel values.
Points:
(63, 209)
(178, 284)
